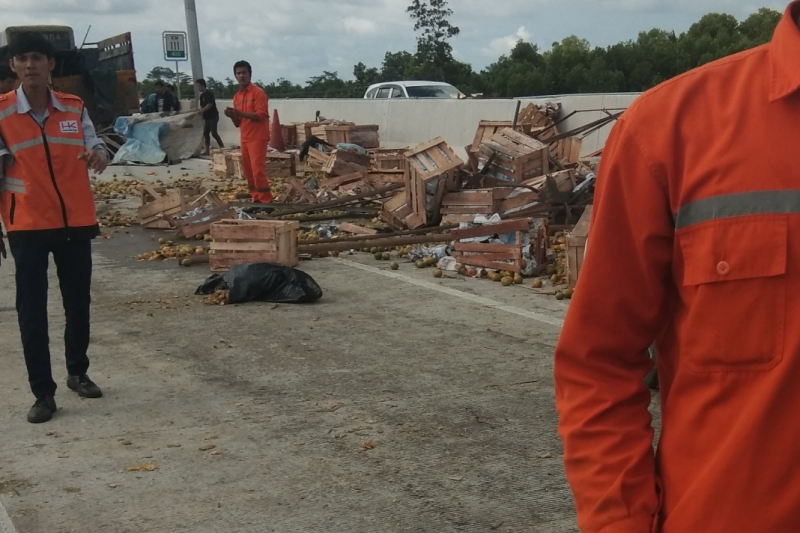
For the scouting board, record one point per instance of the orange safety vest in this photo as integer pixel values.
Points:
(46, 187)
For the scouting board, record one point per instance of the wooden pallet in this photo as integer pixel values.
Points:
(160, 205)
(432, 169)
(281, 165)
(343, 162)
(236, 242)
(517, 157)
(576, 247)
(489, 128)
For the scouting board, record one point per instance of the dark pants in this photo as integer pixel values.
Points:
(74, 267)
(209, 129)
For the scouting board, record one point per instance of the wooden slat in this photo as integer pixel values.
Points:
(514, 249)
(244, 246)
(356, 229)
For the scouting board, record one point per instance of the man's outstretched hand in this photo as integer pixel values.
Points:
(97, 161)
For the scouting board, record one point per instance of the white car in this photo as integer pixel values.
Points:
(412, 89)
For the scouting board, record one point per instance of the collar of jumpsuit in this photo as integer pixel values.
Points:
(697, 214)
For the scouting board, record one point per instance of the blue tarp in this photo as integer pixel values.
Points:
(143, 144)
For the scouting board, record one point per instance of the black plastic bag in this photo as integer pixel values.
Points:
(264, 282)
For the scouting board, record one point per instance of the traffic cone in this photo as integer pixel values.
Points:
(276, 135)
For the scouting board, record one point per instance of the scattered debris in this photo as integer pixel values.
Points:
(147, 467)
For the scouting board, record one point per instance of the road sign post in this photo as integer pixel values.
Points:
(175, 49)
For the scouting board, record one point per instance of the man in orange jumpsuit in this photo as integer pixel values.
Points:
(695, 243)
(250, 113)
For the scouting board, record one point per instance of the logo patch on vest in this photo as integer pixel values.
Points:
(69, 126)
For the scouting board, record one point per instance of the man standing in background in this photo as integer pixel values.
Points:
(250, 113)
(208, 108)
(7, 79)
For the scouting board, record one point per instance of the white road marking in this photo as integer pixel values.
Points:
(6, 526)
(458, 294)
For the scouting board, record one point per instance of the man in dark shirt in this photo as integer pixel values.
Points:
(164, 100)
(8, 79)
(208, 108)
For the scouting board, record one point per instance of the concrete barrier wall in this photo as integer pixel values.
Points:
(410, 122)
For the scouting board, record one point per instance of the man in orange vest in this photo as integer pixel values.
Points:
(250, 113)
(693, 243)
(47, 145)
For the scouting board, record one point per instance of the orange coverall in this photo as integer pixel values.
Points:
(255, 139)
(695, 242)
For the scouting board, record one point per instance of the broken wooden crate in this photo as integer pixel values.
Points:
(490, 255)
(316, 159)
(388, 159)
(200, 223)
(432, 170)
(343, 162)
(465, 205)
(281, 165)
(237, 242)
(567, 151)
(395, 211)
(576, 247)
(160, 205)
(556, 187)
(489, 128)
(517, 157)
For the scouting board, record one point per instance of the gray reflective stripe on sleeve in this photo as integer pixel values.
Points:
(12, 185)
(8, 112)
(65, 140)
(72, 109)
(737, 205)
(25, 144)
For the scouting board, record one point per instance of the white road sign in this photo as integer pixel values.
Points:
(175, 46)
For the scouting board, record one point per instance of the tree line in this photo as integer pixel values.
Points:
(568, 67)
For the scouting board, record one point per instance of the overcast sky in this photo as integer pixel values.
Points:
(296, 39)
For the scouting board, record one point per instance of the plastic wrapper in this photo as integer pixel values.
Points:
(264, 282)
(420, 252)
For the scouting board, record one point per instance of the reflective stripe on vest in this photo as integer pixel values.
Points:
(50, 139)
(12, 185)
(737, 205)
(8, 112)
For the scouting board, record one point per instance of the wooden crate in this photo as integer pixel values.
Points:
(237, 242)
(343, 162)
(432, 169)
(281, 165)
(567, 151)
(396, 210)
(576, 247)
(289, 132)
(532, 114)
(388, 159)
(160, 205)
(474, 202)
(489, 128)
(316, 159)
(303, 131)
(365, 135)
(488, 255)
(518, 157)
(222, 163)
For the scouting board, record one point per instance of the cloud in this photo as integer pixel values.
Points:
(504, 45)
(360, 26)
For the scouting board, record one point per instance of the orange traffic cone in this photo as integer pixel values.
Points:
(276, 135)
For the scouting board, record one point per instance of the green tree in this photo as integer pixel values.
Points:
(434, 52)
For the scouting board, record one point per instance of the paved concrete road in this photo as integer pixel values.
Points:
(453, 388)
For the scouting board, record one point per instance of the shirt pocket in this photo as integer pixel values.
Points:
(734, 291)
